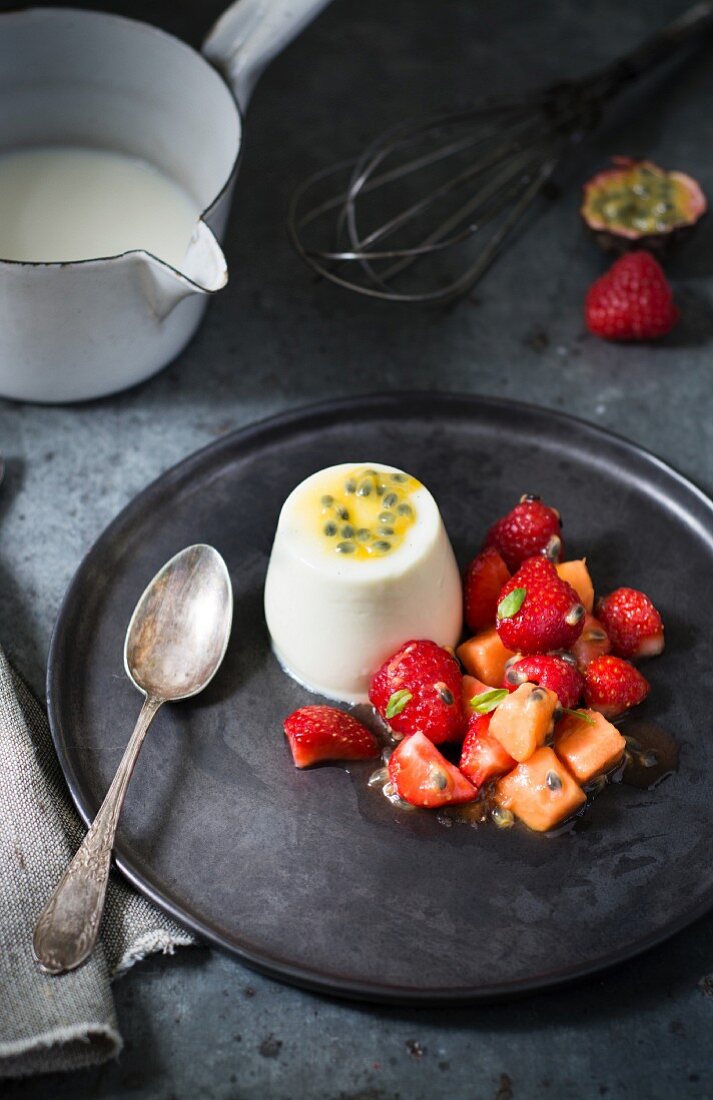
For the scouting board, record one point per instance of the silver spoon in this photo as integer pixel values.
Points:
(174, 645)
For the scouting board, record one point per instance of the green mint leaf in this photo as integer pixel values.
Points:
(488, 700)
(581, 714)
(512, 603)
(397, 702)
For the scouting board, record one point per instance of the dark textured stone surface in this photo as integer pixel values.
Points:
(274, 339)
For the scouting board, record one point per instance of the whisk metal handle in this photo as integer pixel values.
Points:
(686, 29)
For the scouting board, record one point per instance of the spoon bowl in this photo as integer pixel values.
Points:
(179, 631)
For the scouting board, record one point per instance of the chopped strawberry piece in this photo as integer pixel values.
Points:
(422, 776)
(319, 733)
(484, 578)
(530, 528)
(612, 685)
(538, 611)
(592, 642)
(420, 688)
(472, 686)
(559, 674)
(632, 622)
(482, 756)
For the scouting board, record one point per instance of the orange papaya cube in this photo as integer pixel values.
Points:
(472, 687)
(577, 574)
(540, 791)
(523, 720)
(587, 749)
(484, 656)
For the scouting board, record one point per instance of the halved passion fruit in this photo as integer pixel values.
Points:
(636, 204)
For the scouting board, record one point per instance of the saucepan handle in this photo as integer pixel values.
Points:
(250, 33)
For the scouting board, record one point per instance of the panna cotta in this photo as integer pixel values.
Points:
(361, 563)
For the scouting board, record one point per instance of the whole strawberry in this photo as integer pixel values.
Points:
(484, 578)
(631, 301)
(548, 670)
(530, 528)
(420, 688)
(632, 622)
(319, 733)
(538, 611)
(612, 685)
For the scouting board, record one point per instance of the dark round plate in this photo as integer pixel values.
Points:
(314, 878)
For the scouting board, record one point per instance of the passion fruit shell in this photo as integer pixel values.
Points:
(636, 205)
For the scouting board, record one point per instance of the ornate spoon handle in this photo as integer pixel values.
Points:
(67, 929)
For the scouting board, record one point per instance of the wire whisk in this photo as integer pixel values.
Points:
(429, 205)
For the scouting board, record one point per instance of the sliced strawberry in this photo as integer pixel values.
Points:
(422, 776)
(484, 577)
(420, 688)
(324, 733)
(592, 642)
(472, 686)
(482, 756)
(632, 623)
(538, 611)
(530, 528)
(559, 674)
(612, 685)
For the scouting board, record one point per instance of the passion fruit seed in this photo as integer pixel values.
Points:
(514, 675)
(347, 531)
(537, 696)
(445, 693)
(342, 513)
(327, 501)
(364, 488)
(385, 531)
(378, 778)
(529, 498)
(553, 548)
(386, 517)
(504, 819)
(553, 781)
(404, 510)
(575, 615)
(364, 534)
(382, 546)
(350, 485)
(390, 500)
(438, 777)
(346, 547)
(399, 478)
(330, 530)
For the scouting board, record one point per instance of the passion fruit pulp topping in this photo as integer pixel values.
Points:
(637, 199)
(365, 512)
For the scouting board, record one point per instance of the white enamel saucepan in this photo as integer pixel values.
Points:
(77, 329)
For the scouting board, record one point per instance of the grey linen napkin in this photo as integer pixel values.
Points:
(55, 1023)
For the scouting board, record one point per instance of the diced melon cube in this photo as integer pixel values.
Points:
(485, 657)
(587, 749)
(577, 575)
(472, 687)
(523, 720)
(541, 792)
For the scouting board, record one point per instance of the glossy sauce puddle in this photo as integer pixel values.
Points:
(651, 756)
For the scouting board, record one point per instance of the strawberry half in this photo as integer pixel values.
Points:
(530, 528)
(484, 578)
(632, 622)
(420, 688)
(422, 776)
(612, 686)
(538, 611)
(548, 670)
(482, 756)
(324, 733)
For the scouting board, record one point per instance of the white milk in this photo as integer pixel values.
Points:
(64, 203)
